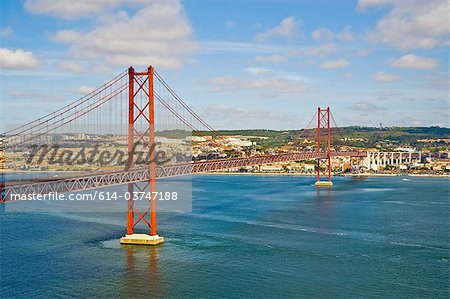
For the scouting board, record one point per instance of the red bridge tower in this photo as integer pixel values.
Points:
(141, 130)
(323, 145)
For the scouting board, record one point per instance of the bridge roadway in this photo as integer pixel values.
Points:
(105, 179)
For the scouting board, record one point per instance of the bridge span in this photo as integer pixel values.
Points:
(136, 100)
(105, 179)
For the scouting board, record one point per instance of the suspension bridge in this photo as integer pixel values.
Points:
(139, 112)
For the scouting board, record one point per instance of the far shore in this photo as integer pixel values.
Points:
(313, 175)
(57, 172)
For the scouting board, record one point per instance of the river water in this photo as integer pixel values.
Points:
(247, 236)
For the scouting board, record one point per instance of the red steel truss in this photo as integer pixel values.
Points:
(323, 124)
(100, 180)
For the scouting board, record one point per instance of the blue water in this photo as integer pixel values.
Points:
(248, 236)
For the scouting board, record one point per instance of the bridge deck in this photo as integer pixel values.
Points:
(105, 179)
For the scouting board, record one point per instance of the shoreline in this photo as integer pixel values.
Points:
(401, 175)
(342, 175)
(269, 174)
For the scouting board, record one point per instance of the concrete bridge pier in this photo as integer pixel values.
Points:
(323, 184)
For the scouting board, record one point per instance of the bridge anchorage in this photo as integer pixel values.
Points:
(73, 124)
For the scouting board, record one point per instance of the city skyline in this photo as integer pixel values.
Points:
(267, 69)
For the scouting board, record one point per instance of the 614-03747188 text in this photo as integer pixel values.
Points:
(101, 196)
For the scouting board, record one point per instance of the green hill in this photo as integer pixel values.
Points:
(385, 138)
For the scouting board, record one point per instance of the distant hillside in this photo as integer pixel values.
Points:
(396, 136)
(356, 136)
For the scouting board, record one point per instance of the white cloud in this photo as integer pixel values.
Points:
(7, 31)
(364, 52)
(269, 59)
(346, 35)
(71, 66)
(326, 35)
(285, 29)
(386, 77)
(412, 61)
(76, 9)
(365, 4)
(257, 70)
(347, 75)
(364, 106)
(85, 89)
(411, 24)
(437, 81)
(440, 103)
(101, 69)
(17, 59)
(159, 34)
(271, 86)
(383, 95)
(321, 50)
(229, 117)
(208, 47)
(322, 34)
(410, 121)
(334, 64)
(31, 95)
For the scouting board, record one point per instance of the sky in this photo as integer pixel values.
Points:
(240, 64)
